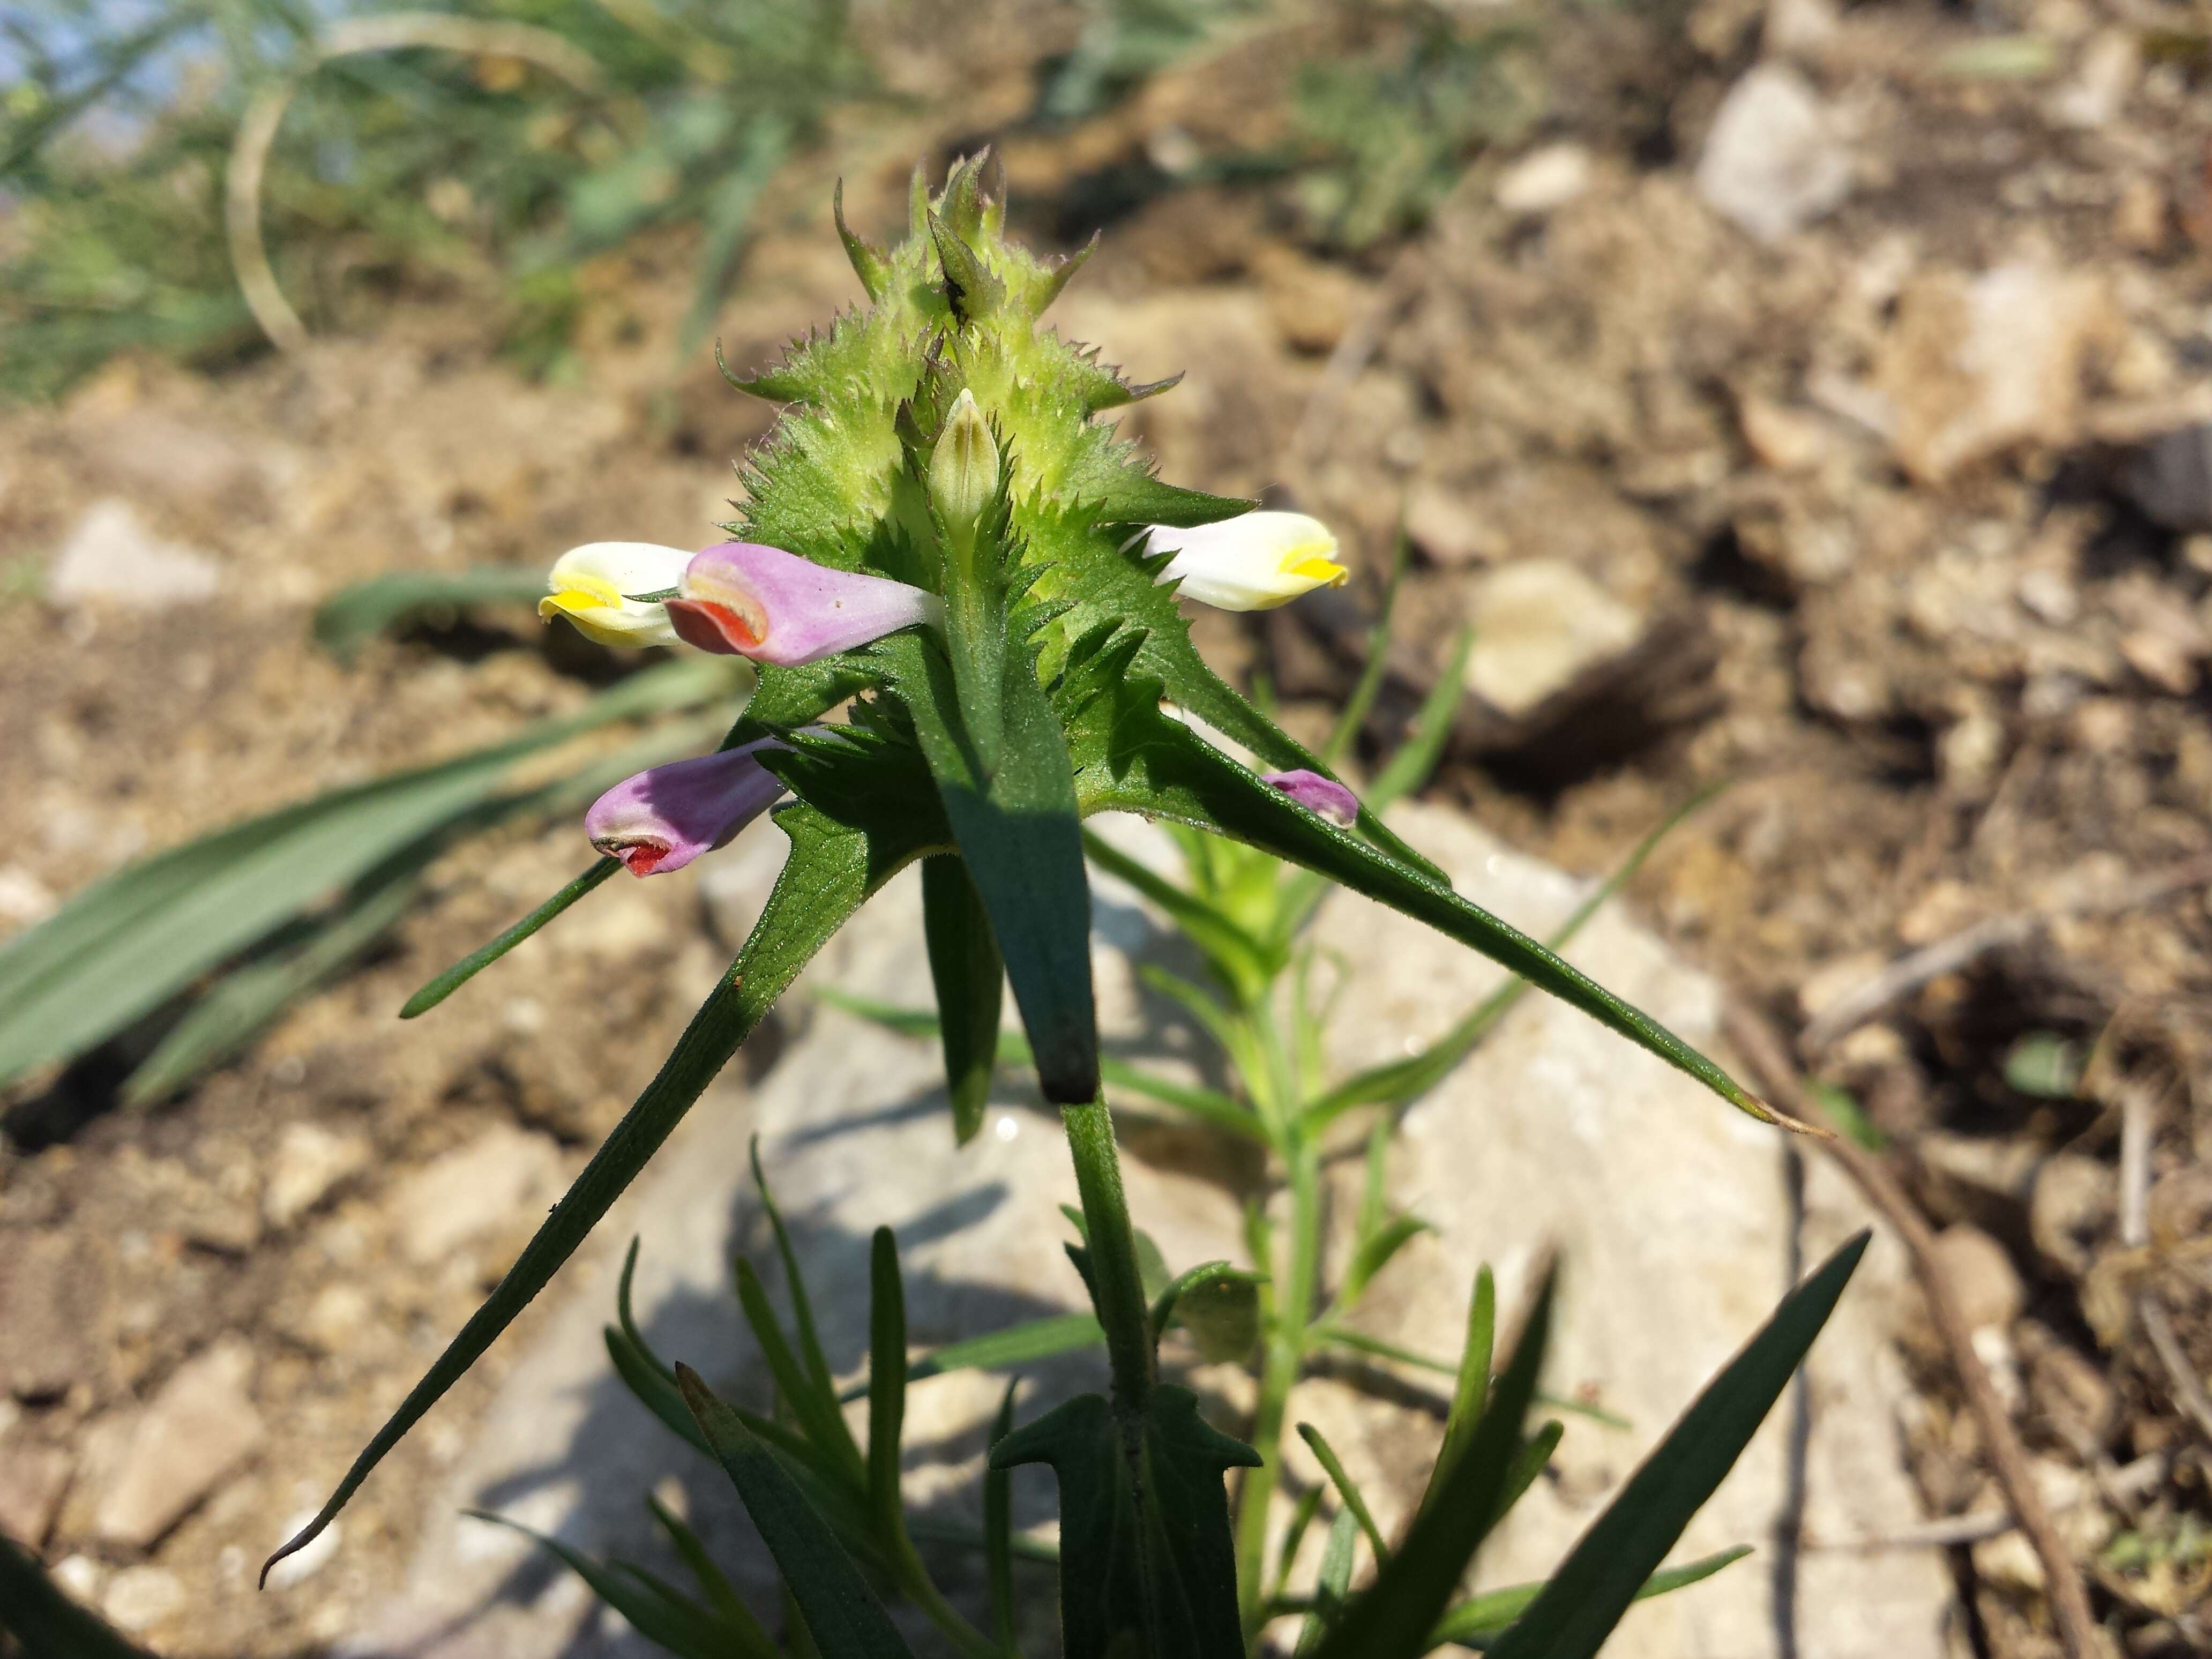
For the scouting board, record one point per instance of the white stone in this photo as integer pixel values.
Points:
(1774, 159)
(1538, 623)
(310, 1161)
(1673, 1211)
(475, 1190)
(81, 1576)
(1544, 178)
(111, 556)
(139, 1598)
(195, 1434)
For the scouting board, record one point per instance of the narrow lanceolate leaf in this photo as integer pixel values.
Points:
(1355, 1501)
(1134, 760)
(1332, 1586)
(231, 1014)
(44, 1622)
(660, 1613)
(133, 940)
(1393, 1616)
(835, 862)
(751, 1641)
(794, 1281)
(886, 1380)
(971, 983)
(1145, 1549)
(1478, 1621)
(812, 1404)
(1471, 1389)
(998, 1528)
(485, 955)
(1021, 841)
(1585, 1598)
(841, 1612)
(347, 620)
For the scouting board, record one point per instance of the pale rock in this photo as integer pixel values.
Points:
(619, 925)
(187, 459)
(310, 1163)
(50, 1298)
(32, 1479)
(1827, 985)
(1449, 526)
(1800, 28)
(735, 882)
(1782, 439)
(474, 1191)
(2099, 89)
(139, 1598)
(1675, 1218)
(333, 1321)
(80, 1575)
(1774, 159)
(2141, 215)
(111, 556)
(1539, 623)
(1976, 368)
(25, 901)
(1544, 178)
(2009, 1563)
(196, 1433)
(2071, 1208)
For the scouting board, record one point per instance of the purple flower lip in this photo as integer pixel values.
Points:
(1324, 797)
(743, 599)
(667, 816)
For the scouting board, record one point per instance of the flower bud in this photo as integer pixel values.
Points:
(1254, 563)
(743, 599)
(1323, 797)
(667, 816)
(963, 469)
(592, 585)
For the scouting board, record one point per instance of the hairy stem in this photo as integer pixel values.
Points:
(1116, 1285)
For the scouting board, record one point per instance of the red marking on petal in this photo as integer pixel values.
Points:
(640, 858)
(724, 630)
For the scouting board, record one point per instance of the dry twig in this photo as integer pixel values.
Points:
(1765, 1052)
(1914, 969)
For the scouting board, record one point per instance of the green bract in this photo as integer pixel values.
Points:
(944, 438)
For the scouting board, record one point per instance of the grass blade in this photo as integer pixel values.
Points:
(1477, 1622)
(1471, 1387)
(660, 1613)
(349, 619)
(1355, 1501)
(751, 1641)
(485, 955)
(841, 1612)
(1584, 1600)
(1393, 1618)
(887, 1380)
(1333, 1584)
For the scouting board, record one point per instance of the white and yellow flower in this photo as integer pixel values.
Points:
(1254, 563)
(595, 585)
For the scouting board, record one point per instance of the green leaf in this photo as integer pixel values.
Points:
(1221, 1311)
(1333, 1584)
(843, 1613)
(1286, 1553)
(1585, 1598)
(1175, 1299)
(868, 262)
(1020, 838)
(349, 618)
(1478, 1621)
(971, 983)
(2044, 1065)
(1471, 1390)
(44, 1622)
(721, 1595)
(794, 1281)
(485, 955)
(1017, 1345)
(1392, 1619)
(1135, 497)
(1347, 1488)
(1374, 1251)
(1142, 762)
(130, 942)
(835, 864)
(1416, 758)
(1144, 1530)
(999, 1527)
(660, 1613)
(1400, 1082)
(1527, 1463)
(887, 1380)
(237, 1009)
(812, 1404)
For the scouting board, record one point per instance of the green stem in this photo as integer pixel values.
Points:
(1295, 1292)
(1117, 1286)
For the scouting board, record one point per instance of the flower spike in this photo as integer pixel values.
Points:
(742, 600)
(1253, 563)
(1324, 797)
(593, 585)
(667, 816)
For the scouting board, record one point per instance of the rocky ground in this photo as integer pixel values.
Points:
(1807, 400)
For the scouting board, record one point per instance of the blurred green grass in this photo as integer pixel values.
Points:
(412, 166)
